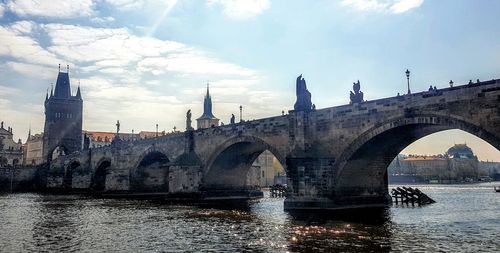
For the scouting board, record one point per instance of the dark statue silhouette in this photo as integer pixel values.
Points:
(232, 119)
(188, 120)
(357, 95)
(303, 96)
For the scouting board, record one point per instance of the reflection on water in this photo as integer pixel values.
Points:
(465, 218)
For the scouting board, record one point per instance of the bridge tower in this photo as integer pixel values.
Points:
(63, 118)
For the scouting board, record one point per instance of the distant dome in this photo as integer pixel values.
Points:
(461, 151)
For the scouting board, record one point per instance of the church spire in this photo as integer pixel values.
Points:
(29, 134)
(208, 92)
(207, 105)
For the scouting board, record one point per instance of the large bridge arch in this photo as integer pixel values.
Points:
(150, 172)
(362, 167)
(100, 174)
(228, 165)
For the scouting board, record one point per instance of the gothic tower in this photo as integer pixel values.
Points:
(208, 119)
(63, 119)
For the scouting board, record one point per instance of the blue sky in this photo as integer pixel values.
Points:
(148, 61)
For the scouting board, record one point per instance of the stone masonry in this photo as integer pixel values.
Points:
(335, 157)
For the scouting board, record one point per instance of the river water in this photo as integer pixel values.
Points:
(466, 218)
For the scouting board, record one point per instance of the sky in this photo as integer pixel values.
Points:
(146, 62)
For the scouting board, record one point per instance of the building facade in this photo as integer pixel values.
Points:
(458, 164)
(100, 139)
(33, 149)
(11, 152)
(63, 119)
(266, 171)
(207, 119)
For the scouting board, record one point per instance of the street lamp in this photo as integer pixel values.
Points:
(156, 130)
(241, 113)
(408, 79)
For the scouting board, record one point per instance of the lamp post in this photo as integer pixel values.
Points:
(156, 130)
(408, 80)
(241, 113)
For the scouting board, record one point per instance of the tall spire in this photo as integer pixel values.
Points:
(47, 95)
(29, 134)
(208, 87)
(207, 106)
(51, 89)
(78, 93)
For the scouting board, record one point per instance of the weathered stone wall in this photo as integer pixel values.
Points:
(184, 179)
(18, 179)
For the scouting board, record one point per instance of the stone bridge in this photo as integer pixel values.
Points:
(335, 157)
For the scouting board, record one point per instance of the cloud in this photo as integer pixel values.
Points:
(126, 4)
(133, 5)
(133, 78)
(365, 5)
(108, 50)
(405, 5)
(241, 9)
(52, 8)
(391, 6)
(32, 70)
(2, 9)
(15, 42)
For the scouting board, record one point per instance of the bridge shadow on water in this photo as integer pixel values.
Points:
(350, 230)
(371, 216)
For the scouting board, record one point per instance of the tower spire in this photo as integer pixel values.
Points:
(51, 89)
(47, 95)
(29, 134)
(78, 93)
(208, 88)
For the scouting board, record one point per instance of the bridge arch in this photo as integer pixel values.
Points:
(98, 183)
(362, 167)
(229, 164)
(68, 173)
(56, 152)
(150, 173)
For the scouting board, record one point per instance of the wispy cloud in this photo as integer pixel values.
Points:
(16, 43)
(405, 5)
(134, 78)
(241, 9)
(391, 6)
(52, 8)
(2, 9)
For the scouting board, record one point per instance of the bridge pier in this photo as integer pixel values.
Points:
(312, 186)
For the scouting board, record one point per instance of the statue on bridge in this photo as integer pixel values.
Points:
(86, 142)
(303, 96)
(188, 121)
(117, 127)
(357, 95)
(232, 119)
